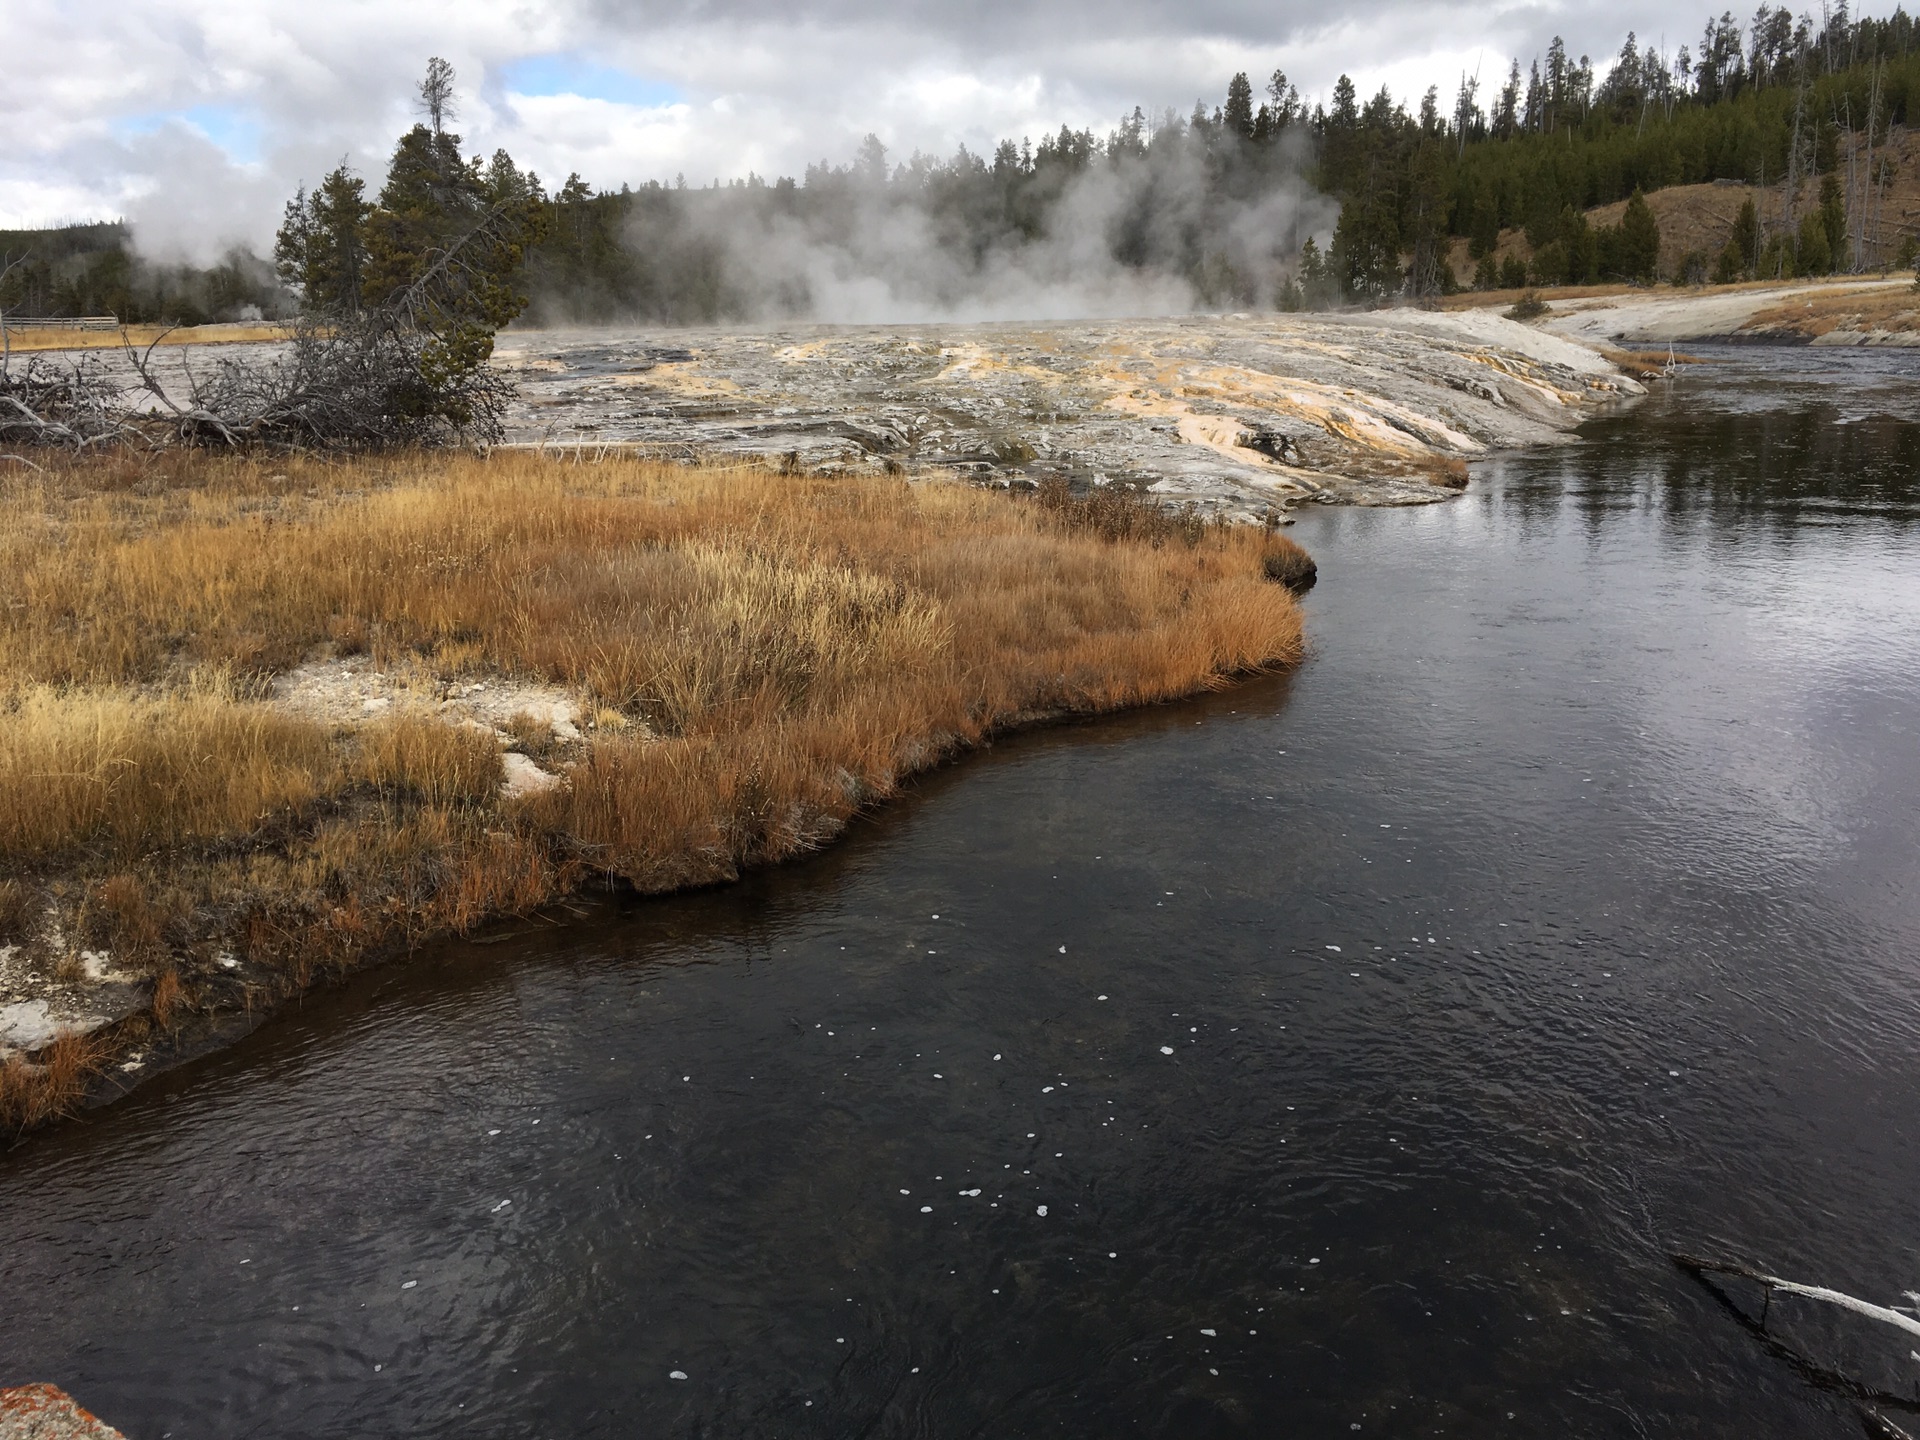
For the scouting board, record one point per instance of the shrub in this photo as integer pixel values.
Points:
(1528, 307)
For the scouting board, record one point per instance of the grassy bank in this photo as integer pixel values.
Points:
(720, 666)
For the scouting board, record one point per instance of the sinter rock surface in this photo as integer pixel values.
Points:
(1242, 413)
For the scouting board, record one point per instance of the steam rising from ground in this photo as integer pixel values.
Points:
(1186, 220)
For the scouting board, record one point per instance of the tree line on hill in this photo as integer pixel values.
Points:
(1803, 112)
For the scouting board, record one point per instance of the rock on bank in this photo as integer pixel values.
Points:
(46, 1412)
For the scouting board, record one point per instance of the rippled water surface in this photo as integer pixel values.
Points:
(1343, 1052)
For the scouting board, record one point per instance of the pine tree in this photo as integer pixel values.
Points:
(1238, 114)
(1283, 101)
(1638, 246)
(1345, 114)
(446, 239)
(1506, 112)
(1813, 256)
(1833, 218)
(1746, 235)
(321, 249)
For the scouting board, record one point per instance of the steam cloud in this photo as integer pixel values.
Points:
(1167, 226)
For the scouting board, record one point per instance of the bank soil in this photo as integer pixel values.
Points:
(263, 723)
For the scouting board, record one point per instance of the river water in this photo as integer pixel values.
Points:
(1344, 1052)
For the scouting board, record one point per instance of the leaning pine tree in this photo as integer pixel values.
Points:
(400, 296)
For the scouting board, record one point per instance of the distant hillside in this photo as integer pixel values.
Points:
(1697, 221)
(93, 270)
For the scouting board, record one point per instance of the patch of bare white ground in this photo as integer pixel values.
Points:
(1654, 318)
(351, 691)
(84, 991)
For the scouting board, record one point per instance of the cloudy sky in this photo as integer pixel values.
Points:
(196, 118)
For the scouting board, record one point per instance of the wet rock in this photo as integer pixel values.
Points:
(46, 1412)
(27, 1026)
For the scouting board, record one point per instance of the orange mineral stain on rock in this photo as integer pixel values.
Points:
(46, 1412)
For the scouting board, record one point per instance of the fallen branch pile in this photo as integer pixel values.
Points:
(364, 383)
(77, 406)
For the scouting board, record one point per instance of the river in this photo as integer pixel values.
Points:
(1341, 1053)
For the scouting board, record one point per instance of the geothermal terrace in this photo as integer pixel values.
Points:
(1241, 414)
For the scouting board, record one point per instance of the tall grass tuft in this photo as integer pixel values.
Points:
(33, 1092)
(430, 761)
(141, 771)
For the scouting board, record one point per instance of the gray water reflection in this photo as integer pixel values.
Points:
(1600, 780)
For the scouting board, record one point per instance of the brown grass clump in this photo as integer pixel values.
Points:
(35, 1091)
(753, 656)
(130, 919)
(16, 912)
(437, 763)
(166, 995)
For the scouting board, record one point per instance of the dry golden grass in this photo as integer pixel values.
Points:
(757, 655)
(139, 771)
(1891, 308)
(53, 337)
(1648, 364)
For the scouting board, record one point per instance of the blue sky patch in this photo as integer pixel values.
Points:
(569, 75)
(233, 129)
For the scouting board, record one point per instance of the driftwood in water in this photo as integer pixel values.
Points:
(1878, 1427)
(1812, 1371)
